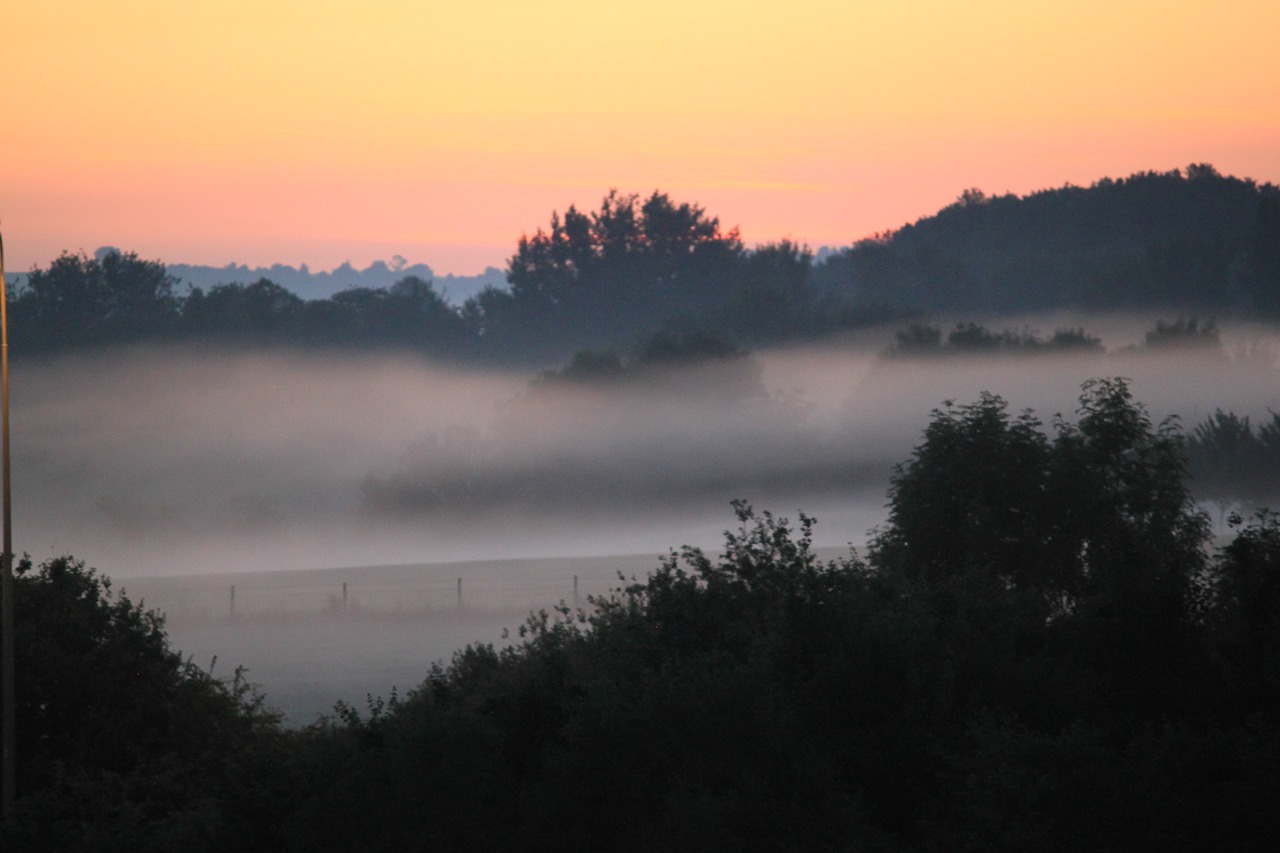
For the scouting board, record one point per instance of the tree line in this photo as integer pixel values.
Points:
(607, 278)
(1185, 334)
(1192, 241)
(1234, 464)
(1041, 649)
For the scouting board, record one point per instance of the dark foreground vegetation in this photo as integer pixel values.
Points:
(1039, 651)
(1190, 241)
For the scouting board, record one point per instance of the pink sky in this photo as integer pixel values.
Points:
(323, 132)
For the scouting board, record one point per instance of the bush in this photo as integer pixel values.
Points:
(121, 743)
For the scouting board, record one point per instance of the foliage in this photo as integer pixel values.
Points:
(81, 301)
(1037, 653)
(1248, 610)
(616, 272)
(1184, 333)
(919, 340)
(973, 497)
(259, 312)
(1232, 464)
(694, 357)
(123, 745)
(1190, 240)
(1096, 524)
(666, 717)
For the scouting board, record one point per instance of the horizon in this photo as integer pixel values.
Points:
(499, 264)
(278, 132)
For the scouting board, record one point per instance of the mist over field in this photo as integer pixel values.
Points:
(180, 461)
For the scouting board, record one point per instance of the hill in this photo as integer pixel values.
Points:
(1185, 239)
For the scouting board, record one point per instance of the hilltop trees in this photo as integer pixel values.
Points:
(81, 301)
(601, 277)
(261, 312)
(1263, 259)
(1188, 240)
(629, 254)
(1193, 241)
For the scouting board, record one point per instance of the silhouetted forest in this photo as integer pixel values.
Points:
(1186, 240)
(1041, 649)
(1189, 242)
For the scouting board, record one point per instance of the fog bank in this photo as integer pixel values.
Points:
(173, 461)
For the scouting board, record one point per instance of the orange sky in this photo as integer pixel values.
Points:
(324, 131)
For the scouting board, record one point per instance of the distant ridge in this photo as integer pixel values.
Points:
(456, 289)
(1188, 238)
(323, 284)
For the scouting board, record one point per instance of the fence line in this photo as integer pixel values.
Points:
(354, 599)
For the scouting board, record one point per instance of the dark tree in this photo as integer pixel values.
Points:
(1184, 333)
(775, 299)
(409, 314)
(263, 312)
(1098, 523)
(915, 341)
(122, 743)
(1269, 441)
(972, 498)
(622, 270)
(81, 301)
(1227, 461)
(1248, 591)
(919, 340)
(1264, 258)
(1195, 241)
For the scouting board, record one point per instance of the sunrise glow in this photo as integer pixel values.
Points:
(324, 131)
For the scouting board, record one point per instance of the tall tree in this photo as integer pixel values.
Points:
(1227, 461)
(81, 301)
(621, 270)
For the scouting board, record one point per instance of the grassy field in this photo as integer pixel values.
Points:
(308, 644)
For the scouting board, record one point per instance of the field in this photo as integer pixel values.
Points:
(307, 646)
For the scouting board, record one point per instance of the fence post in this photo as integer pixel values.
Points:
(459, 593)
(233, 600)
(344, 596)
(575, 590)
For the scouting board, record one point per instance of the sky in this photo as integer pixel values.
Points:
(325, 131)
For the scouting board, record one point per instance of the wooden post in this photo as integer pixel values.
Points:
(8, 762)
(575, 590)
(344, 596)
(233, 600)
(459, 593)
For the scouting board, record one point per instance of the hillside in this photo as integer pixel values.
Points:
(1185, 239)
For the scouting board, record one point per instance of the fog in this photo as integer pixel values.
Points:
(179, 461)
